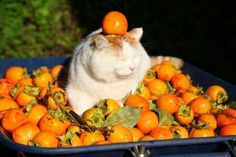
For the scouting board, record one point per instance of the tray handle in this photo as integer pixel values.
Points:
(231, 145)
(139, 151)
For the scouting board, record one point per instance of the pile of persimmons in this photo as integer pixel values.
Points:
(167, 105)
(34, 109)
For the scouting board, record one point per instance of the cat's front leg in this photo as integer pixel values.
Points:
(80, 101)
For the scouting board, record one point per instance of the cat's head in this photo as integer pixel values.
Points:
(113, 58)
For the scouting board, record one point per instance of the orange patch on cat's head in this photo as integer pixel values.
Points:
(115, 41)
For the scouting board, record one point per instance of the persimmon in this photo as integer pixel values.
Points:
(26, 81)
(181, 101)
(147, 121)
(165, 72)
(46, 139)
(120, 134)
(230, 112)
(226, 117)
(5, 95)
(49, 123)
(168, 102)
(36, 113)
(6, 104)
(58, 94)
(209, 120)
(144, 92)
(12, 119)
(111, 106)
(149, 76)
(154, 98)
(15, 73)
(177, 92)
(75, 141)
(114, 23)
(24, 98)
(160, 133)
(42, 77)
(201, 133)
(136, 133)
(157, 87)
(56, 70)
(102, 142)
(180, 81)
(146, 138)
(217, 93)
(224, 120)
(43, 92)
(5, 85)
(184, 115)
(187, 97)
(24, 133)
(67, 123)
(228, 130)
(70, 139)
(137, 101)
(74, 129)
(179, 132)
(87, 114)
(200, 105)
(195, 89)
(88, 138)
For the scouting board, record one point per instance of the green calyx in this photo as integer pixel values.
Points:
(184, 110)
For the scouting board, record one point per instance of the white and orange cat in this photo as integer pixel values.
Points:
(106, 66)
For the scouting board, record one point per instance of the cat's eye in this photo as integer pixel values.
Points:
(93, 46)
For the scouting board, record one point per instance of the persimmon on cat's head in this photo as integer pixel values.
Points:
(114, 57)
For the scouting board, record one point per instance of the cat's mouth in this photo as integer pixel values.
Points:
(123, 74)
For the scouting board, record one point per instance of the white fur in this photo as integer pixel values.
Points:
(96, 72)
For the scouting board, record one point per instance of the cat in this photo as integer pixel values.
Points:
(108, 66)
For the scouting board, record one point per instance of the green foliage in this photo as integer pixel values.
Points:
(127, 116)
(31, 28)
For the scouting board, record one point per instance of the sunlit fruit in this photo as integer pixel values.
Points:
(13, 118)
(120, 134)
(24, 133)
(114, 23)
(148, 120)
(46, 139)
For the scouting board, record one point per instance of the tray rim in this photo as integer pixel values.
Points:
(113, 147)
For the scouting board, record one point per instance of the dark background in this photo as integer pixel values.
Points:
(202, 33)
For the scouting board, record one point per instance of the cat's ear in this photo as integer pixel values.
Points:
(137, 33)
(99, 41)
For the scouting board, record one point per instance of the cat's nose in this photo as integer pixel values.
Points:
(132, 68)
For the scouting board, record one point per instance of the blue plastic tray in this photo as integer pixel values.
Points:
(195, 147)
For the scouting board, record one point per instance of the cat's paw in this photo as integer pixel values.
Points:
(178, 62)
